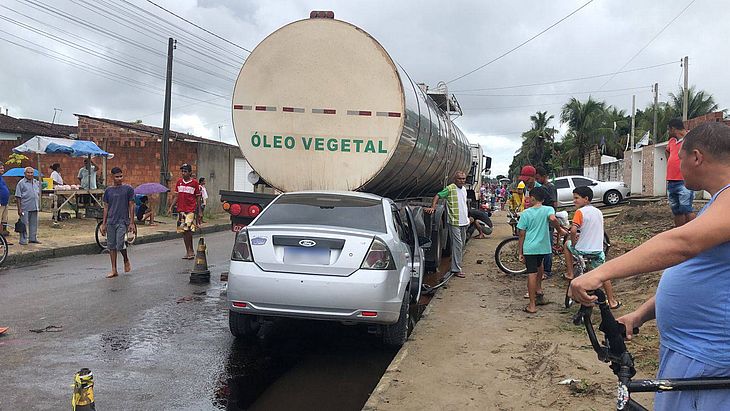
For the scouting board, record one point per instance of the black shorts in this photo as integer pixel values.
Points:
(534, 261)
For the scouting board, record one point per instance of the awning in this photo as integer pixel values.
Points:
(56, 145)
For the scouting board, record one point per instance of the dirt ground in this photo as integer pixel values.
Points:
(476, 349)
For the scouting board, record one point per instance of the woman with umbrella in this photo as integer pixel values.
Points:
(144, 211)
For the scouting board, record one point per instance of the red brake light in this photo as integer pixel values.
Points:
(322, 14)
(369, 313)
(235, 209)
(253, 210)
(239, 304)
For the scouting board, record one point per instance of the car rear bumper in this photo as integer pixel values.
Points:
(317, 297)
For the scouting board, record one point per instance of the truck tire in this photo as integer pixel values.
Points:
(242, 325)
(395, 335)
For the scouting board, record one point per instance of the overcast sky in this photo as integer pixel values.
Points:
(115, 62)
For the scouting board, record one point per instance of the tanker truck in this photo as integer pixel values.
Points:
(320, 105)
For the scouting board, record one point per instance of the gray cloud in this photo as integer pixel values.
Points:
(434, 41)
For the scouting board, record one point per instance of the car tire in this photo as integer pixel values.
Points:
(612, 197)
(395, 335)
(242, 325)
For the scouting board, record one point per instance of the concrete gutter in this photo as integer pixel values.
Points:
(23, 259)
(378, 394)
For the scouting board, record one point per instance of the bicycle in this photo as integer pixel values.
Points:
(3, 248)
(98, 213)
(507, 253)
(614, 350)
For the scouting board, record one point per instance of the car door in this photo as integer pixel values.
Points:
(565, 192)
(593, 184)
(418, 259)
(400, 249)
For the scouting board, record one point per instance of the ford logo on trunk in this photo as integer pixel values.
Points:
(307, 243)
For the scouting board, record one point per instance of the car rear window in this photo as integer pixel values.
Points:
(324, 209)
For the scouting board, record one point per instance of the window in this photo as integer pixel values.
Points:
(562, 183)
(325, 209)
(581, 182)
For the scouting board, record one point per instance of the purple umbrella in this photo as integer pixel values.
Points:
(150, 188)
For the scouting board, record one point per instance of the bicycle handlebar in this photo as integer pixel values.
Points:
(614, 331)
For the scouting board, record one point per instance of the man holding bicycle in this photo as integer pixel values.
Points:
(692, 301)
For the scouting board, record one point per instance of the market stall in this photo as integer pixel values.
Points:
(68, 194)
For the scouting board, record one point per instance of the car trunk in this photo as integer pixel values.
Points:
(308, 249)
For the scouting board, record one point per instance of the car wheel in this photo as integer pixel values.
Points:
(242, 325)
(612, 197)
(395, 335)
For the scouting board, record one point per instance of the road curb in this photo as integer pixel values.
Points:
(378, 394)
(91, 248)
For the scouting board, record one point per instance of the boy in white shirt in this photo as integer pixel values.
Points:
(588, 222)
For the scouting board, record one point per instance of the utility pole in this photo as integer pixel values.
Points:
(633, 120)
(685, 98)
(164, 166)
(656, 108)
(55, 111)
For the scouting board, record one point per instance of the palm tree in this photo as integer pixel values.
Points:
(699, 102)
(585, 122)
(541, 133)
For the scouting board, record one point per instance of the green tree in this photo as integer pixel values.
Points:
(699, 103)
(585, 121)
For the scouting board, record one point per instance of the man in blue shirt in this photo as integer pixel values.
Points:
(692, 301)
(4, 199)
(118, 219)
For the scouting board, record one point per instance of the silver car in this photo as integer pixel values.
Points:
(345, 256)
(609, 192)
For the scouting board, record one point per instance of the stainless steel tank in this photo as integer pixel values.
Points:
(320, 105)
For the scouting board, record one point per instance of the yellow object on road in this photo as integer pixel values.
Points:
(83, 394)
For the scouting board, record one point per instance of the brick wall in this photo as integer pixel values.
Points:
(628, 162)
(647, 173)
(137, 153)
(710, 117)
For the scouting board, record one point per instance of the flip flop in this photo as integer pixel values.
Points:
(617, 306)
(528, 311)
(527, 295)
(540, 300)
(3, 329)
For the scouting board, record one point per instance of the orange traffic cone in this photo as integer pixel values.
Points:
(200, 273)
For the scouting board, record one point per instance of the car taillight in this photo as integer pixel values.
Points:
(378, 257)
(242, 247)
(226, 205)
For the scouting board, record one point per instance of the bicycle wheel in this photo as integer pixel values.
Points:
(100, 239)
(3, 249)
(507, 256)
(578, 269)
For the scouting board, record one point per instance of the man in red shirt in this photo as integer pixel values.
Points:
(186, 194)
(680, 198)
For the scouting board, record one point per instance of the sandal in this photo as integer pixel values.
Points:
(538, 295)
(540, 300)
(527, 310)
(618, 305)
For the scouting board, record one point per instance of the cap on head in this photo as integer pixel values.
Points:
(521, 185)
(527, 172)
(186, 167)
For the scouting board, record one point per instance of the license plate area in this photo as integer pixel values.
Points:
(304, 255)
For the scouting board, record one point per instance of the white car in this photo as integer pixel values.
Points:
(609, 192)
(348, 257)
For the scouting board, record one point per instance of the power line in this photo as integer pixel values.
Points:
(84, 66)
(99, 55)
(201, 28)
(140, 9)
(546, 104)
(521, 44)
(568, 80)
(554, 94)
(54, 12)
(650, 41)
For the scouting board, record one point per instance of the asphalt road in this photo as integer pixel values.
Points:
(154, 341)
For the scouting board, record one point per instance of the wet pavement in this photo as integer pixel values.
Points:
(154, 341)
